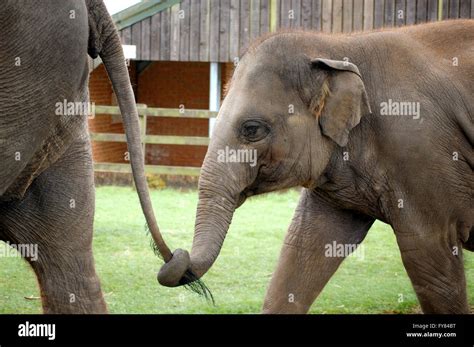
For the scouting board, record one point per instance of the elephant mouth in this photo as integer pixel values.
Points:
(254, 188)
(242, 197)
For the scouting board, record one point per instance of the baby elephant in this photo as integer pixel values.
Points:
(375, 125)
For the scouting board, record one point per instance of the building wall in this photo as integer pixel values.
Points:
(227, 69)
(174, 85)
(100, 91)
(161, 84)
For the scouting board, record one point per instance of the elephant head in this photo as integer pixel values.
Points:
(283, 116)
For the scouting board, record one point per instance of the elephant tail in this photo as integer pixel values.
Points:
(104, 42)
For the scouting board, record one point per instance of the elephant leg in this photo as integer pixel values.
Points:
(56, 216)
(434, 263)
(305, 266)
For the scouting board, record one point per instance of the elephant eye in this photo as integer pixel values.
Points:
(254, 130)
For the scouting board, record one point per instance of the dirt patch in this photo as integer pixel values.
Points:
(154, 181)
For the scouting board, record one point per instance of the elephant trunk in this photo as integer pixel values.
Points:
(214, 214)
(219, 192)
(114, 62)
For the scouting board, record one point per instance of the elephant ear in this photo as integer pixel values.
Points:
(342, 100)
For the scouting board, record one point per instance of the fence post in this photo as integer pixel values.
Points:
(273, 15)
(142, 115)
(214, 92)
(440, 10)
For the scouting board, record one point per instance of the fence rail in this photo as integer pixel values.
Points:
(159, 112)
(144, 112)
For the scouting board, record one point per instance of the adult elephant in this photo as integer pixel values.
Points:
(374, 125)
(46, 172)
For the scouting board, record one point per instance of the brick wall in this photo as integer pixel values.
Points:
(227, 70)
(160, 84)
(169, 85)
(100, 90)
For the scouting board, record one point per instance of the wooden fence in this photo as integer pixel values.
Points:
(145, 112)
(218, 30)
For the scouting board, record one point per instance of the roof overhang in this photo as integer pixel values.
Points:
(142, 10)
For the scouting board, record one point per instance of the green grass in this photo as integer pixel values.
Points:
(127, 266)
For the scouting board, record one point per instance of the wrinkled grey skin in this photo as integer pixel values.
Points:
(46, 172)
(398, 169)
